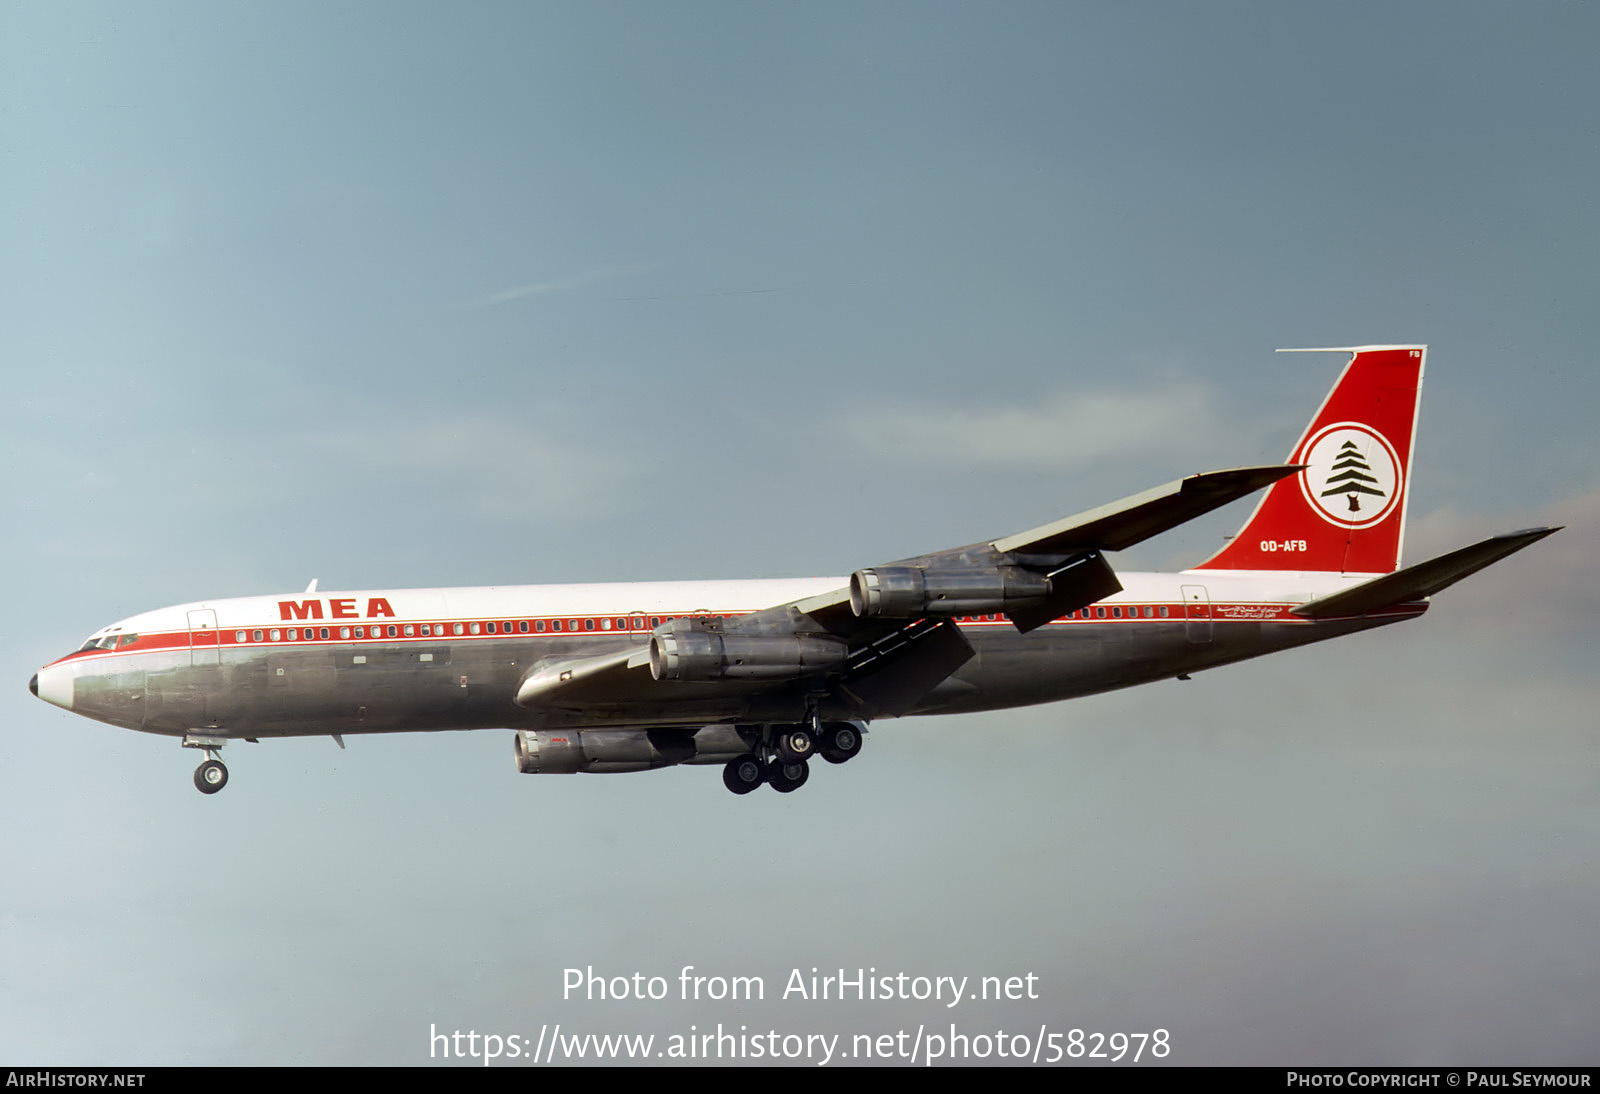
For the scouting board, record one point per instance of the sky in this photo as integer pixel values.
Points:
(409, 294)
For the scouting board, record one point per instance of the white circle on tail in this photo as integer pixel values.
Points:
(1352, 476)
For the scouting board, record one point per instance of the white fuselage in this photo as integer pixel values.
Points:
(422, 659)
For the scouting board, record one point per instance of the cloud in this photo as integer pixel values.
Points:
(1064, 431)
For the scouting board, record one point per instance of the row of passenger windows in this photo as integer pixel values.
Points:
(430, 630)
(1150, 612)
(1116, 611)
(604, 623)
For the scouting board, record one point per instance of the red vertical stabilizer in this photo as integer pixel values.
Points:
(1346, 511)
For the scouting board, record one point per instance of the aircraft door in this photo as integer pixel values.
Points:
(638, 628)
(1197, 613)
(205, 642)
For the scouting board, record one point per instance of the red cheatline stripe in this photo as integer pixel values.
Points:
(147, 642)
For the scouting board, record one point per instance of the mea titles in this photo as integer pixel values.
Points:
(856, 984)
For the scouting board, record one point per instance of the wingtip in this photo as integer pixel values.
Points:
(1260, 476)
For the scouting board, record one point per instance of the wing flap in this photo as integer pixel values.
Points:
(897, 671)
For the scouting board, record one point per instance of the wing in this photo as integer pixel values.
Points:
(882, 643)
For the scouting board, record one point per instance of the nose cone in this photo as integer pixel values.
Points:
(53, 684)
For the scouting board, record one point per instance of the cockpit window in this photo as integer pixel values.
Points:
(108, 641)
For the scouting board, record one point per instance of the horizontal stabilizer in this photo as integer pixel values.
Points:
(1135, 519)
(1422, 580)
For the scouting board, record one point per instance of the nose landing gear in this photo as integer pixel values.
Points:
(212, 775)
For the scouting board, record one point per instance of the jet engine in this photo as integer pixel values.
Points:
(687, 654)
(600, 751)
(904, 592)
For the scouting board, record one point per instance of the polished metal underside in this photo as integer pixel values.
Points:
(284, 691)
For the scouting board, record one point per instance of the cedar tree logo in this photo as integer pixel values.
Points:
(1353, 475)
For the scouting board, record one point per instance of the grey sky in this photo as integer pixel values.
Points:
(402, 294)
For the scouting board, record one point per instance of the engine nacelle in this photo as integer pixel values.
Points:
(600, 751)
(684, 654)
(547, 752)
(905, 592)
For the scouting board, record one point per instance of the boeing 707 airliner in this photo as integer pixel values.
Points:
(762, 677)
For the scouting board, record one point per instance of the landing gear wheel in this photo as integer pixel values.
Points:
(786, 777)
(840, 741)
(210, 777)
(743, 774)
(796, 744)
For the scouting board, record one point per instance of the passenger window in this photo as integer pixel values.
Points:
(538, 625)
(255, 636)
(555, 624)
(490, 627)
(276, 634)
(1116, 613)
(391, 630)
(473, 628)
(522, 625)
(323, 631)
(1099, 613)
(1163, 611)
(572, 624)
(410, 631)
(238, 636)
(361, 632)
(588, 624)
(344, 632)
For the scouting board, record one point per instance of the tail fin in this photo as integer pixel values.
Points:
(1346, 511)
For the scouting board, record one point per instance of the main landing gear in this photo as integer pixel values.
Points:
(212, 775)
(781, 760)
